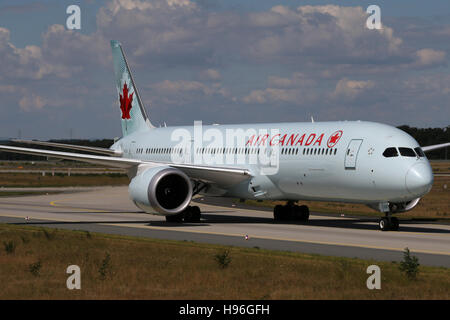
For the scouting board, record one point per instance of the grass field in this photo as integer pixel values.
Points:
(34, 262)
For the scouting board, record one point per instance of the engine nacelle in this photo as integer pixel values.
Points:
(161, 190)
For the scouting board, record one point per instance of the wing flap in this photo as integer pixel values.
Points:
(217, 175)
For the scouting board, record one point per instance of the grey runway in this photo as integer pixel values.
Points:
(109, 210)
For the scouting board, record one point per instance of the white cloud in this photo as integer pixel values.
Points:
(350, 89)
(429, 57)
(180, 92)
(325, 49)
(32, 102)
(298, 89)
(298, 79)
(20, 63)
(210, 74)
(273, 95)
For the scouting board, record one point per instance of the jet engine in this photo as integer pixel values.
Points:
(161, 190)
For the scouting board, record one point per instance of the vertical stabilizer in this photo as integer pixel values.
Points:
(133, 115)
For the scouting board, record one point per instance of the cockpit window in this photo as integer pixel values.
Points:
(419, 152)
(407, 152)
(390, 152)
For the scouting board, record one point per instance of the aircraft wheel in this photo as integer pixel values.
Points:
(299, 213)
(305, 212)
(296, 213)
(175, 218)
(196, 214)
(384, 224)
(278, 213)
(191, 214)
(394, 224)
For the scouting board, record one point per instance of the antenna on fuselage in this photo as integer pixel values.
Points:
(312, 119)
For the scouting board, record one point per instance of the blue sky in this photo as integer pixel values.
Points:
(223, 61)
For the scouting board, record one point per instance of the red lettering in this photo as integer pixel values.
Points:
(250, 141)
(263, 140)
(271, 140)
(310, 139)
(257, 139)
(319, 140)
(300, 141)
(282, 139)
(291, 139)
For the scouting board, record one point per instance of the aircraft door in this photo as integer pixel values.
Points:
(352, 153)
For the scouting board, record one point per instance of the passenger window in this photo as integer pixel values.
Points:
(407, 152)
(419, 152)
(390, 152)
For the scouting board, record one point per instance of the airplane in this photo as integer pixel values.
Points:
(340, 161)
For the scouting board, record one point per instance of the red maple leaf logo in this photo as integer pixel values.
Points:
(334, 138)
(125, 102)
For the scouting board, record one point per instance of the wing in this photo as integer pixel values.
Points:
(103, 151)
(102, 160)
(436, 146)
(220, 175)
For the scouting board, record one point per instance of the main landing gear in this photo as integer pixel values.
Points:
(388, 223)
(190, 214)
(290, 211)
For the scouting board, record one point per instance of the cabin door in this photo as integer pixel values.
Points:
(352, 154)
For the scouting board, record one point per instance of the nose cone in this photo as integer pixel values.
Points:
(419, 179)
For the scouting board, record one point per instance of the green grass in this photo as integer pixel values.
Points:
(119, 267)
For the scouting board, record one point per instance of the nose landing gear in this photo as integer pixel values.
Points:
(388, 223)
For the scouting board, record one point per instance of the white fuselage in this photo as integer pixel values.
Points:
(326, 161)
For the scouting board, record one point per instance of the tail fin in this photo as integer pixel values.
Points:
(134, 116)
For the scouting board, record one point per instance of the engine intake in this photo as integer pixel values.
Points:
(161, 190)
